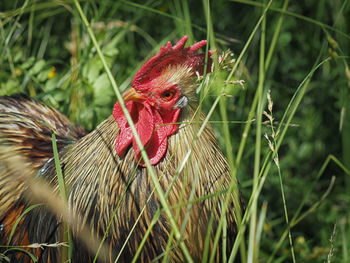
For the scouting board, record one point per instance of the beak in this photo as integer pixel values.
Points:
(133, 95)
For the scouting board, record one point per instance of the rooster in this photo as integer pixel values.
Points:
(104, 170)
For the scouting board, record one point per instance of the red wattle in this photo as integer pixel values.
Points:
(153, 129)
(125, 135)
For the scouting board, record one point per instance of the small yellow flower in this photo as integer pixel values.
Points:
(18, 71)
(52, 73)
(285, 251)
(267, 227)
(300, 240)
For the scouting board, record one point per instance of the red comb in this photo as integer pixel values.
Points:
(172, 55)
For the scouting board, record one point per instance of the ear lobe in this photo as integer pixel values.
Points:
(181, 103)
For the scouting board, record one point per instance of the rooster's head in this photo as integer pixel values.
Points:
(160, 89)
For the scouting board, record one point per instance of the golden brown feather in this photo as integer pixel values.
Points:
(25, 127)
(97, 177)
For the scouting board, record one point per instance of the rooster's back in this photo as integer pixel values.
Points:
(26, 126)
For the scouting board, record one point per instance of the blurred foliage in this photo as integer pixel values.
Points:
(45, 52)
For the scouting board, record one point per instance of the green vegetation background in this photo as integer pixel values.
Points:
(45, 52)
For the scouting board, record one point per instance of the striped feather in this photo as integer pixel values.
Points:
(25, 129)
(97, 178)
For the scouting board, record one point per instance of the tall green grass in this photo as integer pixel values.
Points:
(285, 133)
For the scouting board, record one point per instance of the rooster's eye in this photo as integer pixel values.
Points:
(168, 94)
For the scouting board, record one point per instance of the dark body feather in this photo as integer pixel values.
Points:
(97, 178)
